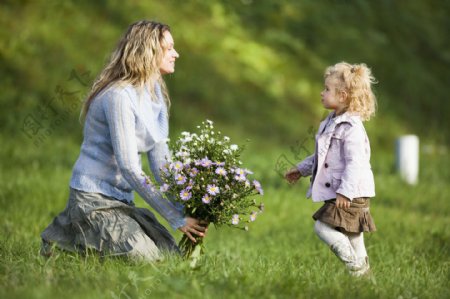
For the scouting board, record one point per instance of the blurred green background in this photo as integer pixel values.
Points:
(254, 67)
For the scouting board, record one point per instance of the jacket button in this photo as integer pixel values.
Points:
(327, 185)
(326, 165)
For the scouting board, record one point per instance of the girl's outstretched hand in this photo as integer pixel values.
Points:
(342, 201)
(293, 175)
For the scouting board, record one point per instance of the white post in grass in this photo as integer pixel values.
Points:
(407, 158)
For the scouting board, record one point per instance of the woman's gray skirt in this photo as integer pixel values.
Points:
(109, 226)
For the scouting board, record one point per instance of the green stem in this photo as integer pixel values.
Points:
(187, 246)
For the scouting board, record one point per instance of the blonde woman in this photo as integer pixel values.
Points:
(341, 175)
(125, 114)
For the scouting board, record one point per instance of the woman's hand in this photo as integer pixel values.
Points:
(194, 226)
(342, 201)
(293, 175)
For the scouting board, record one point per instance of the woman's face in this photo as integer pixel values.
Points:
(170, 55)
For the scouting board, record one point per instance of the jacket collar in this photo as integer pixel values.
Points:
(346, 117)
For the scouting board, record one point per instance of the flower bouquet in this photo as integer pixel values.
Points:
(208, 178)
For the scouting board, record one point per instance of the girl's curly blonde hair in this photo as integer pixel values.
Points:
(356, 80)
(135, 61)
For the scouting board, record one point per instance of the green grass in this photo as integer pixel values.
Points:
(280, 257)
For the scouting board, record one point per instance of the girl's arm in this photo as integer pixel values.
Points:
(306, 166)
(121, 121)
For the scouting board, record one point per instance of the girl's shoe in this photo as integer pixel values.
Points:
(363, 270)
(345, 252)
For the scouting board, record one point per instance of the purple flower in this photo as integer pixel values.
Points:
(240, 178)
(190, 185)
(256, 184)
(260, 191)
(212, 189)
(235, 219)
(165, 169)
(178, 166)
(205, 162)
(206, 199)
(240, 171)
(185, 194)
(220, 164)
(258, 187)
(221, 171)
(193, 172)
(164, 188)
(180, 179)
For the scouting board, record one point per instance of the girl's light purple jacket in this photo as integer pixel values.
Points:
(341, 162)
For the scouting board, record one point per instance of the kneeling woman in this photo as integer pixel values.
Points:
(126, 114)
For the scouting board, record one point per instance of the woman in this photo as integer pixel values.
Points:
(126, 113)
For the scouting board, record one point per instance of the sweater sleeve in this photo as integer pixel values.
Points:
(121, 121)
(306, 166)
(157, 157)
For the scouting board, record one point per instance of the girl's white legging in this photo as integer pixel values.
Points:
(331, 236)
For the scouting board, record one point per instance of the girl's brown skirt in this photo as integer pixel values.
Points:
(355, 219)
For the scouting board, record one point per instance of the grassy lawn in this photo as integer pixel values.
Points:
(279, 257)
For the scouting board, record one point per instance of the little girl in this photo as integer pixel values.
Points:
(340, 170)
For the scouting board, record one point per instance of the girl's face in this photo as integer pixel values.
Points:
(332, 98)
(170, 55)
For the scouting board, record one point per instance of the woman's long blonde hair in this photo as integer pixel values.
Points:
(135, 60)
(356, 80)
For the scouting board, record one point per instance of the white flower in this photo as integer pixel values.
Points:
(226, 138)
(235, 219)
(253, 216)
(234, 147)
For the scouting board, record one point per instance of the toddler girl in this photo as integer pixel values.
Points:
(340, 170)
